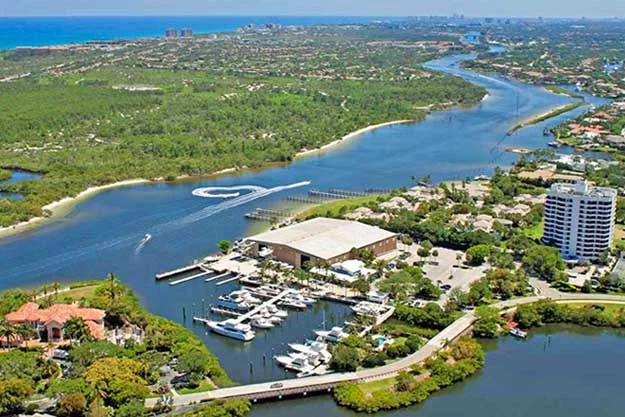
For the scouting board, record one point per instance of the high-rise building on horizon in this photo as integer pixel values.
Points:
(186, 33)
(579, 219)
(171, 33)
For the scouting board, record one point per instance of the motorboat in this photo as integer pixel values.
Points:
(233, 303)
(312, 347)
(275, 311)
(233, 329)
(267, 317)
(516, 332)
(246, 295)
(335, 334)
(300, 298)
(300, 364)
(261, 323)
(293, 304)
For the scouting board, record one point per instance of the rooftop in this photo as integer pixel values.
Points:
(581, 188)
(324, 238)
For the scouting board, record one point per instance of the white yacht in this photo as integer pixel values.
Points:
(246, 296)
(335, 334)
(293, 304)
(233, 303)
(232, 329)
(300, 298)
(261, 323)
(312, 347)
(275, 311)
(264, 315)
(296, 362)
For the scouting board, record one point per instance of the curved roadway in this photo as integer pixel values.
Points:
(326, 382)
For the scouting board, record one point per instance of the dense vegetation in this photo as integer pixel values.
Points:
(452, 365)
(195, 107)
(102, 374)
(545, 312)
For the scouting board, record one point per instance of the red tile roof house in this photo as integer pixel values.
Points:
(51, 320)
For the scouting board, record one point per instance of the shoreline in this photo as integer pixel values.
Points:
(554, 112)
(65, 205)
(349, 137)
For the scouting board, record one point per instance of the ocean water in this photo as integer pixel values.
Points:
(43, 31)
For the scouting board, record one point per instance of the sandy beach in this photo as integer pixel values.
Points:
(349, 137)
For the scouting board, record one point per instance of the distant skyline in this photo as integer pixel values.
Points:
(503, 8)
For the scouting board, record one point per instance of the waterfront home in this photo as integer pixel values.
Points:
(50, 322)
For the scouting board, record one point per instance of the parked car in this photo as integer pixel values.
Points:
(276, 385)
(60, 354)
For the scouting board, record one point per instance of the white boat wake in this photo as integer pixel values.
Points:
(229, 202)
(143, 242)
(207, 192)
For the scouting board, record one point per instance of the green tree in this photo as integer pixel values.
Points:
(487, 321)
(194, 361)
(72, 405)
(545, 262)
(344, 358)
(403, 381)
(476, 255)
(13, 393)
(131, 409)
(76, 329)
(224, 246)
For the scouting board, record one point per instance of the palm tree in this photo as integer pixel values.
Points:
(56, 287)
(7, 330)
(25, 332)
(112, 289)
(76, 329)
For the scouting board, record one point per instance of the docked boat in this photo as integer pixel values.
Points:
(335, 334)
(261, 323)
(267, 317)
(300, 298)
(233, 303)
(275, 311)
(231, 328)
(246, 296)
(313, 348)
(293, 304)
(516, 332)
(553, 144)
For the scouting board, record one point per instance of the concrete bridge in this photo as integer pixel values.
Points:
(304, 386)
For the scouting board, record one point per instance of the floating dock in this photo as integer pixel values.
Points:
(192, 277)
(178, 271)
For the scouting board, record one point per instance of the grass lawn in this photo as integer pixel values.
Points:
(619, 237)
(338, 207)
(373, 386)
(535, 231)
(204, 386)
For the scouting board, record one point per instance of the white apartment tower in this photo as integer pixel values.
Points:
(579, 220)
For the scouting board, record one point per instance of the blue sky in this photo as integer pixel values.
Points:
(546, 8)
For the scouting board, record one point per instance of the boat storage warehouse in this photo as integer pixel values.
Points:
(323, 239)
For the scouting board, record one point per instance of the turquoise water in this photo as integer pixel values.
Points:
(557, 372)
(40, 31)
(104, 234)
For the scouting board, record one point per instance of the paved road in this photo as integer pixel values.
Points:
(317, 383)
